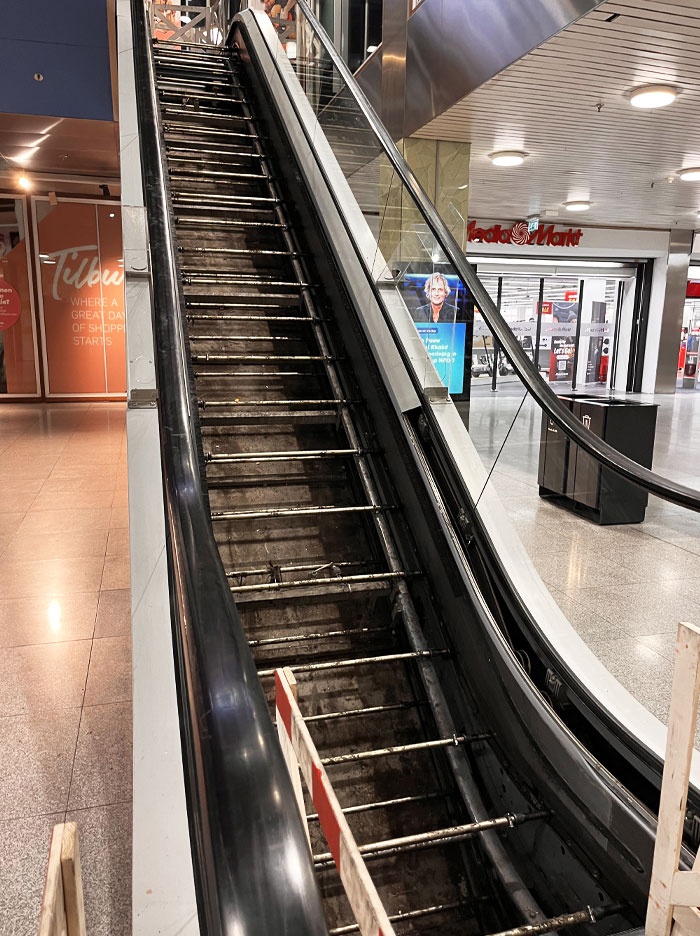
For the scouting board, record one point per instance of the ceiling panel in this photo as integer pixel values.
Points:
(63, 145)
(566, 104)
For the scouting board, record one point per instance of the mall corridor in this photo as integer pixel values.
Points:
(65, 665)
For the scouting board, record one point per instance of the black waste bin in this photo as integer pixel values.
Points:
(575, 479)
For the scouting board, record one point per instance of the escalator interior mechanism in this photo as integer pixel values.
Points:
(476, 808)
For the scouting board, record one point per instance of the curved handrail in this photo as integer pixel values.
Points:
(253, 870)
(605, 453)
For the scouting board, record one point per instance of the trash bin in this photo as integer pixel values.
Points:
(575, 479)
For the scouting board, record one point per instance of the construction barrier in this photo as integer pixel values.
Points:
(62, 909)
(674, 895)
(300, 754)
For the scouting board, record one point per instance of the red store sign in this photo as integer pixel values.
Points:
(545, 236)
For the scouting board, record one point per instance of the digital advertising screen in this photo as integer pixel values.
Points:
(433, 299)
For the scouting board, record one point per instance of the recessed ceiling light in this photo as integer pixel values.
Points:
(577, 205)
(653, 96)
(24, 182)
(690, 175)
(508, 158)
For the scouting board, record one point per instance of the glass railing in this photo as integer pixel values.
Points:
(574, 477)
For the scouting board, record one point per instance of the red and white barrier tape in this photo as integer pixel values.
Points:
(300, 752)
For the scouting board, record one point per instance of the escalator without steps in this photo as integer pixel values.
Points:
(310, 532)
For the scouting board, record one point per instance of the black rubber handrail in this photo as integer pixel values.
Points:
(606, 454)
(252, 865)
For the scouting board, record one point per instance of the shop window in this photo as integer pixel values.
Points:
(18, 354)
(81, 288)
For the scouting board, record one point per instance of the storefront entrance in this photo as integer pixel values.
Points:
(62, 332)
(568, 323)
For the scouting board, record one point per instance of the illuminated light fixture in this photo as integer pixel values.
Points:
(24, 182)
(651, 96)
(111, 214)
(577, 205)
(460, 188)
(371, 49)
(690, 175)
(508, 158)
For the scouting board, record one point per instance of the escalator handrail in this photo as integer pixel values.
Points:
(252, 866)
(547, 399)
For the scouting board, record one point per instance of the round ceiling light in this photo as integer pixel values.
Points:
(508, 158)
(690, 175)
(653, 96)
(577, 205)
(24, 183)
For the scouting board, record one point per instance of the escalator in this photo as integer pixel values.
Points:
(313, 513)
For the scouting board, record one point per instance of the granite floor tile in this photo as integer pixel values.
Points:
(118, 542)
(9, 523)
(53, 577)
(639, 611)
(58, 521)
(104, 833)
(114, 613)
(580, 568)
(102, 771)
(17, 501)
(69, 500)
(24, 852)
(119, 517)
(36, 759)
(109, 679)
(117, 572)
(70, 544)
(43, 677)
(43, 620)
(67, 483)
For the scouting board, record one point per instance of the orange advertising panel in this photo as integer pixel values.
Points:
(82, 297)
(17, 345)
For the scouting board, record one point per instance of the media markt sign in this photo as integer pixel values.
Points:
(518, 234)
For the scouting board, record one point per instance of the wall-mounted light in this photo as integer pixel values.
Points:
(24, 183)
(577, 205)
(651, 96)
(508, 158)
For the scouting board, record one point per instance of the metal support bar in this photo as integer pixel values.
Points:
(326, 635)
(420, 840)
(407, 915)
(402, 749)
(359, 661)
(359, 713)
(301, 455)
(382, 804)
(331, 580)
(589, 915)
(272, 513)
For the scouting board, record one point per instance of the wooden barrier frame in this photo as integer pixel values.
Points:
(300, 754)
(62, 909)
(674, 896)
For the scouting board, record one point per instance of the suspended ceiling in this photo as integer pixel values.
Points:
(566, 105)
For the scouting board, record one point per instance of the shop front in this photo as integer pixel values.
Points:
(582, 302)
(62, 334)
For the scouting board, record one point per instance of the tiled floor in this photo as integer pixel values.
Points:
(624, 588)
(65, 656)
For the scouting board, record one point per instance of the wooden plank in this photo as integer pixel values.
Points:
(52, 921)
(72, 880)
(290, 757)
(674, 786)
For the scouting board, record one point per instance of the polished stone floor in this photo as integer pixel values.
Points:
(65, 656)
(624, 588)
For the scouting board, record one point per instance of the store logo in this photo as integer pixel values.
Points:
(87, 272)
(545, 236)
